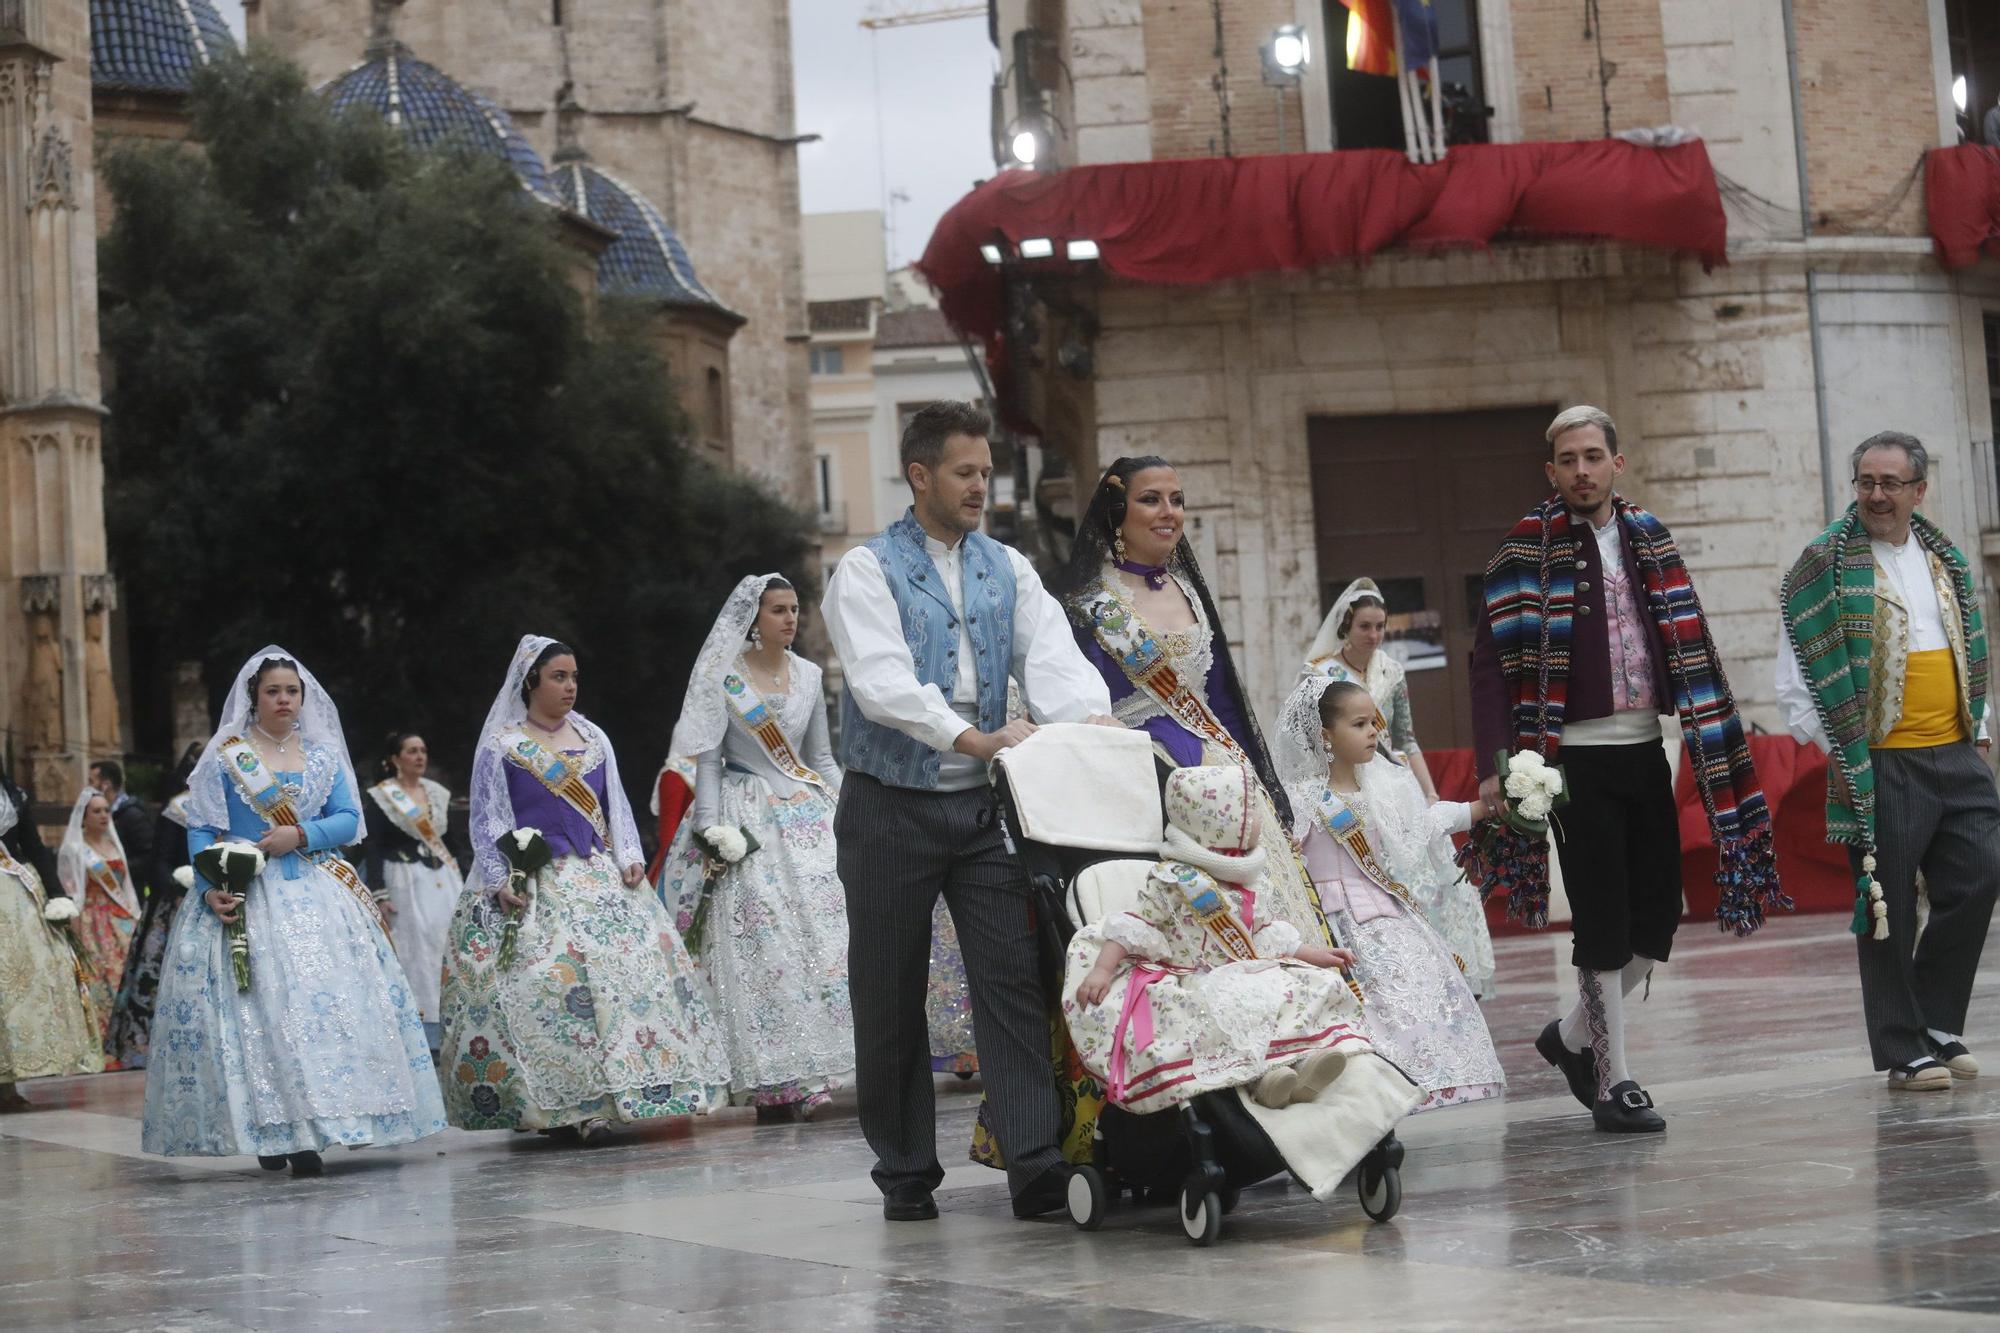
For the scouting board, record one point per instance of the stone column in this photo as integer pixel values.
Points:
(51, 469)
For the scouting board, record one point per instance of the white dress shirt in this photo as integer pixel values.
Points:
(1057, 683)
(1908, 570)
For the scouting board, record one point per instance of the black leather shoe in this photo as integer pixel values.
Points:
(909, 1203)
(1628, 1110)
(1046, 1193)
(1579, 1067)
(271, 1163)
(307, 1164)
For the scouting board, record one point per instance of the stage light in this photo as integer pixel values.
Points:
(1291, 50)
(1958, 91)
(1038, 247)
(990, 253)
(1081, 251)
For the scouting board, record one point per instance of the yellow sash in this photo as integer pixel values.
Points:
(556, 772)
(1345, 827)
(405, 814)
(761, 722)
(1121, 632)
(264, 794)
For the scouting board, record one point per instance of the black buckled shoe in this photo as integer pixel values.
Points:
(1579, 1067)
(277, 1163)
(1628, 1110)
(909, 1203)
(1046, 1193)
(307, 1164)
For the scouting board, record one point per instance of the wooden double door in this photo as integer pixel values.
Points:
(1419, 503)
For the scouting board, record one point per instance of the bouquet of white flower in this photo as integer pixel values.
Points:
(1535, 789)
(230, 866)
(721, 847)
(528, 855)
(59, 911)
(184, 876)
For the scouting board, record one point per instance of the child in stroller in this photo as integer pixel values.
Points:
(1232, 1050)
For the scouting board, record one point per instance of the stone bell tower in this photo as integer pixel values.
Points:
(57, 705)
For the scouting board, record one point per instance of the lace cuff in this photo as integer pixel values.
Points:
(1280, 939)
(1137, 936)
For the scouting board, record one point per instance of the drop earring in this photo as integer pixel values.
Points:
(756, 637)
(1118, 547)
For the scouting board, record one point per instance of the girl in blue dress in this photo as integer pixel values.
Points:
(326, 1046)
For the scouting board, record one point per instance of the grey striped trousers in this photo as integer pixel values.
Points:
(1936, 810)
(899, 849)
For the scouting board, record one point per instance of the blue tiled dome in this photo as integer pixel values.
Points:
(432, 109)
(154, 45)
(647, 260)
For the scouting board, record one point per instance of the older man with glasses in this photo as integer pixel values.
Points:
(1884, 668)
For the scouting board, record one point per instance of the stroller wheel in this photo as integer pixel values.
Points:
(1381, 1189)
(1088, 1199)
(1201, 1217)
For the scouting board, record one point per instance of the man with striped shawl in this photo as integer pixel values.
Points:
(1884, 668)
(1592, 632)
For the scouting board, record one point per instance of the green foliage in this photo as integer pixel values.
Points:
(356, 410)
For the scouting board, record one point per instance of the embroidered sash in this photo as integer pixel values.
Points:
(758, 719)
(558, 773)
(415, 820)
(1345, 827)
(263, 793)
(1210, 907)
(1122, 633)
(99, 872)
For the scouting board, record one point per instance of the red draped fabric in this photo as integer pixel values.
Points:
(1208, 219)
(1962, 199)
(1794, 780)
(675, 798)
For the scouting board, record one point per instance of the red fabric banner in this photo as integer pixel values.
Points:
(1208, 219)
(1962, 199)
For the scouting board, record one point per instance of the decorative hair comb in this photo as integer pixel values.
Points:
(1113, 479)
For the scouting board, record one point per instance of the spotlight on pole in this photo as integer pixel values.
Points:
(990, 253)
(1026, 144)
(1038, 247)
(1958, 92)
(1286, 56)
(1081, 252)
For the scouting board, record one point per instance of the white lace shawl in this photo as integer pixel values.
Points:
(319, 726)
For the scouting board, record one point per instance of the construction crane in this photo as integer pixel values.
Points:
(905, 18)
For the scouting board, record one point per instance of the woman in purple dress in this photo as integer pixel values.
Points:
(1143, 616)
(591, 1014)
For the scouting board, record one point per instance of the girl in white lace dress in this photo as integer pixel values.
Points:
(1375, 851)
(772, 940)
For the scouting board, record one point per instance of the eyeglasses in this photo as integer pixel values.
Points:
(1891, 486)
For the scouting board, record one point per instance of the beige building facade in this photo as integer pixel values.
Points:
(1385, 419)
(690, 103)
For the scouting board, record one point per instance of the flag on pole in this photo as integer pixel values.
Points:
(1371, 37)
(1420, 33)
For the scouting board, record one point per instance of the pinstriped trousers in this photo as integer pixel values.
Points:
(1936, 810)
(898, 850)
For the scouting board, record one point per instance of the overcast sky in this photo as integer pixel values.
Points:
(935, 91)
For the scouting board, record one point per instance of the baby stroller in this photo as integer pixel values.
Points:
(1081, 808)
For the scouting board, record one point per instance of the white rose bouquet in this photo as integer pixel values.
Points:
(528, 855)
(184, 876)
(1535, 789)
(59, 911)
(721, 847)
(230, 866)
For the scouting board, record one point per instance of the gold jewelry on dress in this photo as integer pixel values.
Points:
(1118, 547)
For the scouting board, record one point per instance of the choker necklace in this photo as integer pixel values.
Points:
(1155, 575)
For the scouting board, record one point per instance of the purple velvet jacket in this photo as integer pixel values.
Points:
(1180, 743)
(1589, 657)
(535, 806)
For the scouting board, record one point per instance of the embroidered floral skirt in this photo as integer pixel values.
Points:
(598, 1015)
(424, 898)
(1420, 1012)
(774, 945)
(130, 1033)
(107, 937)
(1455, 913)
(46, 1025)
(325, 1048)
(948, 1001)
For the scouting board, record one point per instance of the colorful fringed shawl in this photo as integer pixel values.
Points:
(1531, 605)
(1829, 608)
